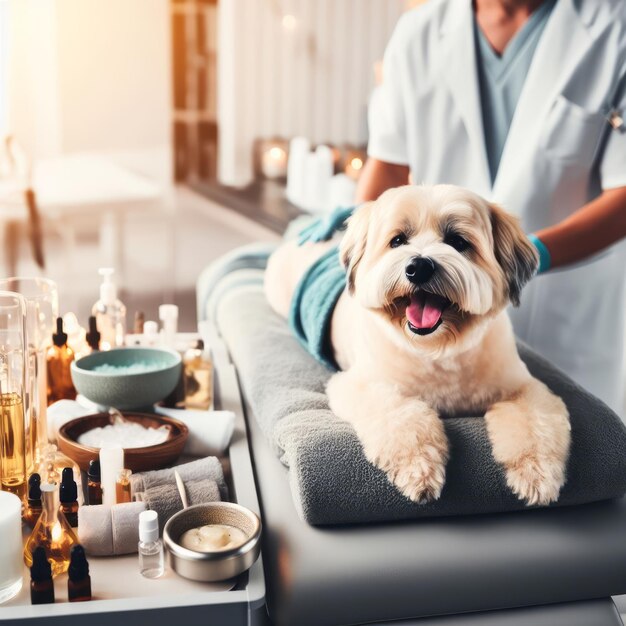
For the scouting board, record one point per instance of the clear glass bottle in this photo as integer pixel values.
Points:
(110, 313)
(52, 532)
(59, 360)
(151, 561)
(76, 335)
(13, 380)
(42, 309)
(52, 464)
(198, 378)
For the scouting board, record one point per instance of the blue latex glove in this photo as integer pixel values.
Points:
(323, 228)
(544, 254)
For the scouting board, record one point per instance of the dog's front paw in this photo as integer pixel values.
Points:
(530, 437)
(535, 480)
(414, 460)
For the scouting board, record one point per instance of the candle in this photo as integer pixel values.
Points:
(354, 166)
(319, 171)
(274, 162)
(111, 462)
(299, 148)
(11, 545)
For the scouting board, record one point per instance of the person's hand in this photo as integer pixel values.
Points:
(323, 228)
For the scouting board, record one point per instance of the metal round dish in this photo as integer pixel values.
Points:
(220, 564)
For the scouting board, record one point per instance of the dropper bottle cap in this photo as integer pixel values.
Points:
(68, 491)
(93, 336)
(40, 570)
(108, 290)
(34, 488)
(79, 567)
(59, 338)
(94, 471)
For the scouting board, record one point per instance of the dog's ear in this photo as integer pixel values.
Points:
(353, 243)
(516, 255)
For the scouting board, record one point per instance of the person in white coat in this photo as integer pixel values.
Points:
(524, 102)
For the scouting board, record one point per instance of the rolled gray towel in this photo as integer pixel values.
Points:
(166, 501)
(208, 468)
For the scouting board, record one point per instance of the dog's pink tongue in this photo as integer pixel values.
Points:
(425, 309)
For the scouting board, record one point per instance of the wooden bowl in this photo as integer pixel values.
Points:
(135, 459)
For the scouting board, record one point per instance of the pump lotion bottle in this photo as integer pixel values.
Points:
(109, 312)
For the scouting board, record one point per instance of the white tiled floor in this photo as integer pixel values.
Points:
(164, 256)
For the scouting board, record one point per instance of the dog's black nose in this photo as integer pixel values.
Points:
(419, 269)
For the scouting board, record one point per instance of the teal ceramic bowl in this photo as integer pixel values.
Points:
(127, 378)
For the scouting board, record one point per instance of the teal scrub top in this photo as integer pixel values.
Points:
(501, 78)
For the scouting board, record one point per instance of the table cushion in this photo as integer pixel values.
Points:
(333, 483)
(353, 574)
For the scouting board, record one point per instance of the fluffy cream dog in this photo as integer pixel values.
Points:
(421, 331)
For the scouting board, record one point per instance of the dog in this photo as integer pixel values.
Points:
(422, 331)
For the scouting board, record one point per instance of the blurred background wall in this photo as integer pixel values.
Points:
(295, 68)
(92, 75)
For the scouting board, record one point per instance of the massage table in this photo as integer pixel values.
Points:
(533, 567)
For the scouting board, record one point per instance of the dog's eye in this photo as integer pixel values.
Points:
(457, 242)
(398, 240)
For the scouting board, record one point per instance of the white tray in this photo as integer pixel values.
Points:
(122, 595)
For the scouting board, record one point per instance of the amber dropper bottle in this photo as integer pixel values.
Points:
(93, 336)
(122, 486)
(59, 360)
(68, 496)
(41, 585)
(79, 581)
(94, 487)
(33, 507)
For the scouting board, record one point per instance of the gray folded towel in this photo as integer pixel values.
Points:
(331, 480)
(110, 530)
(165, 499)
(208, 468)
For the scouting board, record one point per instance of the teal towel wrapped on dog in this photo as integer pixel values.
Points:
(313, 303)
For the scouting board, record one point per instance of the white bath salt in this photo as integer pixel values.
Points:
(212, 537)
(125, 435)
(141, 367)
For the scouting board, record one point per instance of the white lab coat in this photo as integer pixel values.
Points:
(560, 153)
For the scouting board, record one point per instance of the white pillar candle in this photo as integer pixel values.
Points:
(111, 462)
(325, 170)
(299, 148)
(11, 563)
(308, 200)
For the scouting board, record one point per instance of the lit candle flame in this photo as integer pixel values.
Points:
(57, 532)
(356, 163)
(276, 153)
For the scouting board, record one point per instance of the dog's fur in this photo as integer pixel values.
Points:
(394, 383)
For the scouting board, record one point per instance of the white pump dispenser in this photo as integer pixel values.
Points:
(109, 312)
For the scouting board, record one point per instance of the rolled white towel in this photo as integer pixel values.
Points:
(61, 412)
(210, 432)
(110, 530)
